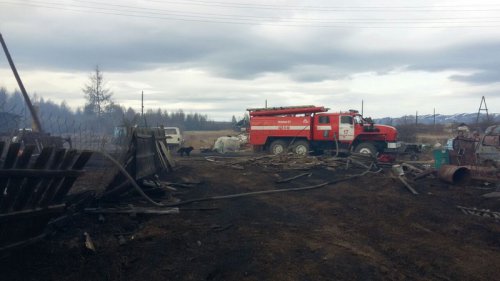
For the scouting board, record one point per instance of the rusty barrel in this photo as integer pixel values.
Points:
(489, 174)
(454, 174)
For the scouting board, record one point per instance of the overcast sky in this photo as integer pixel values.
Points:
(222, 57)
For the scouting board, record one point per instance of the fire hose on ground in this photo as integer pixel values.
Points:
(230, 196)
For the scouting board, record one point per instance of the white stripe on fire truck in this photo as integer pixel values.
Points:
(324, 128)
(260, 128)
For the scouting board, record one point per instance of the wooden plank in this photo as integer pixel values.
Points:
(23, 243)
(29, 185)
(69, 181)
(145, 157)
(407, 185)
(138, 210)
(82, 160)
(57, 159)
(25, 157)
(43, 159)
(10, 159)
(166, 153)
(11, 156)
(29, 213)
(48, 196)
(42, 187)
(14, 183)
(68, 159)
(162, 160)
(42, 174)
(2, 146)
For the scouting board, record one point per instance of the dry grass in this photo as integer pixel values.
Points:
(433, 137)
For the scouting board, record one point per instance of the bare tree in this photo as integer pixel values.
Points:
(97, 95)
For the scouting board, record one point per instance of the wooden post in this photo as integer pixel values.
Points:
(38, 125)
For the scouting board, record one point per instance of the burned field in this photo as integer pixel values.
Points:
(365, 227)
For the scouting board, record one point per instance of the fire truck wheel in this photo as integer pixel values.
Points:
(366, 148)
(278, 147)
(301, 148)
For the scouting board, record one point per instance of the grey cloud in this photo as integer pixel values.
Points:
(476, 96)
(233, 52)
(312, 77)
(483, 58)
(312, 64)
(483, 77)
(79, 49)
(229, 52)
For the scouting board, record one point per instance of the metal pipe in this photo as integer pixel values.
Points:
(490, 174)
(34, 115)
(336, 144)
(454, 174)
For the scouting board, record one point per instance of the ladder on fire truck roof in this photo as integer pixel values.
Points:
(285, 110)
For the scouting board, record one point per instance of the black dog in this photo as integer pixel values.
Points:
(185, 150)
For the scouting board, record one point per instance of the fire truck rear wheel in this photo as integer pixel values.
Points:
(301, 147)
(278, 147)
(366, 148)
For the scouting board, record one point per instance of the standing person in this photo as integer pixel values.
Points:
(463, 130)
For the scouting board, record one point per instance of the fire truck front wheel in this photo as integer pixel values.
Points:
(301, 148)
(366, 148)
(278, 147)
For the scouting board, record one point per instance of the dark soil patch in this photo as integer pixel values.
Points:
(368, 228)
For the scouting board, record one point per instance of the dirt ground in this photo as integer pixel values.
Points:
(366, 228)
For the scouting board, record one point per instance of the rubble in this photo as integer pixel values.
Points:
(269, 207)
(480, 212)
(33, 190)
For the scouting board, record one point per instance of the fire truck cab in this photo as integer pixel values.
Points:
(301, 129)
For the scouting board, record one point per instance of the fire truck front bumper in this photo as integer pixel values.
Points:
(393, 147)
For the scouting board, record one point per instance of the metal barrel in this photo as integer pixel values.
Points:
(454, 174)
(489, 174)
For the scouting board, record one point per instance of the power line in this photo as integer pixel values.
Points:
(327, 8)
(295, 19)
(250, 21)
(330, 6)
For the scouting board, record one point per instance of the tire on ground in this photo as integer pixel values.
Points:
(278, 147)
(366, 148)
(300, 147)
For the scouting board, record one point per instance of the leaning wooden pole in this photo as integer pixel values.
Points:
(34, 114)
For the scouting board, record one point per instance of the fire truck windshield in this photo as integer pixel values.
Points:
(358, 119)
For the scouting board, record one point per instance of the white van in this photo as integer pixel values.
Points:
(174, 137)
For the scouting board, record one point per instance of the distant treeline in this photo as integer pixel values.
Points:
(61, 119)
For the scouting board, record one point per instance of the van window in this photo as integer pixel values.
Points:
(346, 119)
(492, 141)
(170, 131)
(324, 119)
(358, 119)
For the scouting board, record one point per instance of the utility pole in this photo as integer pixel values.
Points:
(483, 100)
(142, 109)
(416, 118)
(434, 114)
(34, 114)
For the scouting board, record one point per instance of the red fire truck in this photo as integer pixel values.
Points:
(301, 129)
